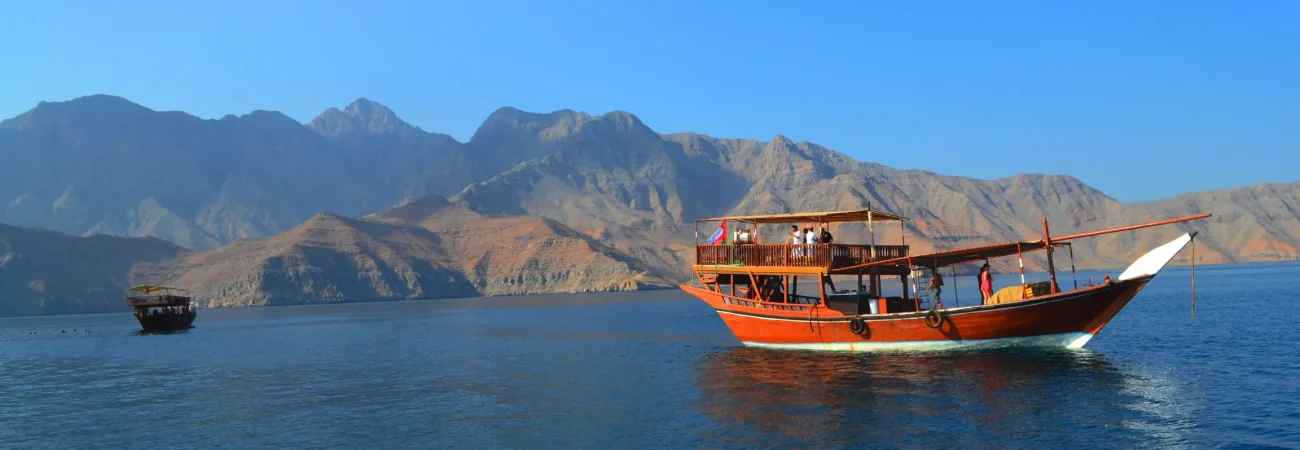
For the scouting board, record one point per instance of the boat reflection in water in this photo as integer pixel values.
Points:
(1030, 397)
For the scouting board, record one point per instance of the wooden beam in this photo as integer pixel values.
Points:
(762, 270)
(1131, 227)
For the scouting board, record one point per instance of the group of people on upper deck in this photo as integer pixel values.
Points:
(807, 236)
(797, 236)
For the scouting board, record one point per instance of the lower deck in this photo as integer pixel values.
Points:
(800, 293)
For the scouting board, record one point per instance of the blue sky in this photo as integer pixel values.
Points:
(1142, 100)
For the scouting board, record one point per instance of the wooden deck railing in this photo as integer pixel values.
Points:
(790, 255)
(797, 303)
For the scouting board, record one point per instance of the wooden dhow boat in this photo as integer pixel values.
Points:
(161, 308)
(755, 289)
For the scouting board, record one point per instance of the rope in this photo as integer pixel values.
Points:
(955, 299)
(1193, 276)
(1073, 275)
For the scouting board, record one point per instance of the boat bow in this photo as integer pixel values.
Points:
(1156, 259)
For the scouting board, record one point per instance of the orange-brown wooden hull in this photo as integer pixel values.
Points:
(1067, 319)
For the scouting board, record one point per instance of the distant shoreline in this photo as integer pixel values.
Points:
(1059, 273)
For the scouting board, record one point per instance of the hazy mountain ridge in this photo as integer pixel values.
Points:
(47, 272)
(610, 201)
(211, 180)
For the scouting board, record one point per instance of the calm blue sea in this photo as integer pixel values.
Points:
(650, 370)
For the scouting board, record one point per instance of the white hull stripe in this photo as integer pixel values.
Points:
(1062, 340)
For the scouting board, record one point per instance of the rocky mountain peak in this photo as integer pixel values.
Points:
(780, 141)
(549, 126)
(85, 107)
(376, 117)
(414, 210)
(361, 115)
(96, 102)
(615, 122)
(326, 217)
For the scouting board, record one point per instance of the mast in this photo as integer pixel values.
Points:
(1051, 268)
(1073, 274)
(902, 233)
(1020, 257)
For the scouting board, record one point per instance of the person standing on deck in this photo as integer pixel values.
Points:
(936, 284)
(796, 239)
(986, 284)
(810, 239)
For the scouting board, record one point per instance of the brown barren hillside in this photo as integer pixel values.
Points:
(429, 248)
(511, 255)
(326, 259)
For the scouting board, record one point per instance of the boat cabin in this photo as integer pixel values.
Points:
(158, 300)
(761, 261)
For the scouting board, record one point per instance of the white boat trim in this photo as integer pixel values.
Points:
(1073, 340)
(1156, 259)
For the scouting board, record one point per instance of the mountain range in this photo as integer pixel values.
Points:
(359, 205)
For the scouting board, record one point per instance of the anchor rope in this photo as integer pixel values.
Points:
(1193, 242)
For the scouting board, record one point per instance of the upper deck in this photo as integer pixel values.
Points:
(825, 257)
(727, 249)
(158, 300)
(156, 296)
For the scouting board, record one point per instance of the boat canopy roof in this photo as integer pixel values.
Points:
(970, 254)
(854, 215)
(149, 288)
(962, 255)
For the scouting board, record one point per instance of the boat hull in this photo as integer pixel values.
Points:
(1063, 320)
(167, 322)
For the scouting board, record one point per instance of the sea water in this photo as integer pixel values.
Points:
(651, 370)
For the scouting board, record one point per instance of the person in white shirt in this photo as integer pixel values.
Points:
(796, 238)
(810, 238)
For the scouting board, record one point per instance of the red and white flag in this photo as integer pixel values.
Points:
(720, 235)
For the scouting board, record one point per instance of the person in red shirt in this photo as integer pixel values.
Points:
(986, 283)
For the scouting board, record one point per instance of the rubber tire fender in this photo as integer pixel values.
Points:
(857, 325)
(938, 318)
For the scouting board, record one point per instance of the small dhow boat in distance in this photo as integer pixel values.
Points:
(754, 287)
(158, 308)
